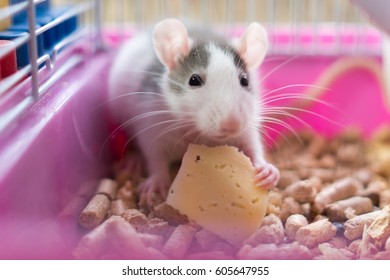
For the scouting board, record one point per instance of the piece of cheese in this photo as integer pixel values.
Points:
(215, 188)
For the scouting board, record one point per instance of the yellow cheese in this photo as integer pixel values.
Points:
(215, 188)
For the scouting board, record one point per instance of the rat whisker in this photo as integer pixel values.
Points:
(281, 123)
(276, 68)
(112, 99)
(191, 131)
(295, 96)
(159, 75)
(176, 126)
(273, 58)
(264, 134)
(285, 109)
(146, 129)
(132, 120)
(275, 114)
(295, 85)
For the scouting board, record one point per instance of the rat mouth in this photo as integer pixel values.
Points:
(225, 136)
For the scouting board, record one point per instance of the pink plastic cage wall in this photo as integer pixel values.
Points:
(55, 139)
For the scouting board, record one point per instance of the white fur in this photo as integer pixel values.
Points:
(253, 45)
(126, 74)
(171, 42)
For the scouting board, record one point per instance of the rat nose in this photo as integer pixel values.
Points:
(231, 124)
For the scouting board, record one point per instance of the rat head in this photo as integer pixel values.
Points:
(210, 82)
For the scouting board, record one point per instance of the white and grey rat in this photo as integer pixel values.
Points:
(179, 86)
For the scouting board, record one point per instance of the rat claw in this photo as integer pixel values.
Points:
(151, 188)
(267, 176)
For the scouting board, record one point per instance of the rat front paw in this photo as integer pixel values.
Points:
(153, 188)
(267, 176)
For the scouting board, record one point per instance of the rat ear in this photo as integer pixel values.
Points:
(253, 45)
(171, 42)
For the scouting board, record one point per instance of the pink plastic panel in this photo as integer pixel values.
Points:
(352, 98)
(54, 148)
(45, 157)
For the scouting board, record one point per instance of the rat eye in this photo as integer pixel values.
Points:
(244, 81)
(195, 81)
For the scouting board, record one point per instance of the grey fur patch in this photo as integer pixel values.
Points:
(151, 82)
(196, 62)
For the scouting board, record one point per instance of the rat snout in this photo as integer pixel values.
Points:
(230, 125)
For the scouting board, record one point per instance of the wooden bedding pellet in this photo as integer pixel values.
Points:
(354, 227)
(170, 214)
(272, 209)
(118, 207)
(377, 233)
(341, 210)
(338, 242)
(384, 198)
(383, 255)
(206, 239)
(108, 187)
(373, 190)
(260, 252)
(325, 175)
(125, 239)
(179, 242)
(270, 231)
(94, 243)
(160, 227)
(354, 246)
(275, 201)
(338, 190)
(73, 208)
(127, 194)
(152, 240)
(316, 233)
(223, 247)
(327, 161)
(296, 251)
(287, 178)
(293, 223)
(95, 211)
(135, 218)
(290, 207)
(387, 244)
(303, 191)
(209, 255)
(317, 146)
(351, 154)
(375, 186)
(122, 176)
(328, 252)
(271, 251)
(364, 175)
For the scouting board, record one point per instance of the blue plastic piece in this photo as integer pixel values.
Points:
(22, 55)
(22, 15)
(51, 36)
(45, 14)
(43, 7)
(23, 27)
(65, 28)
